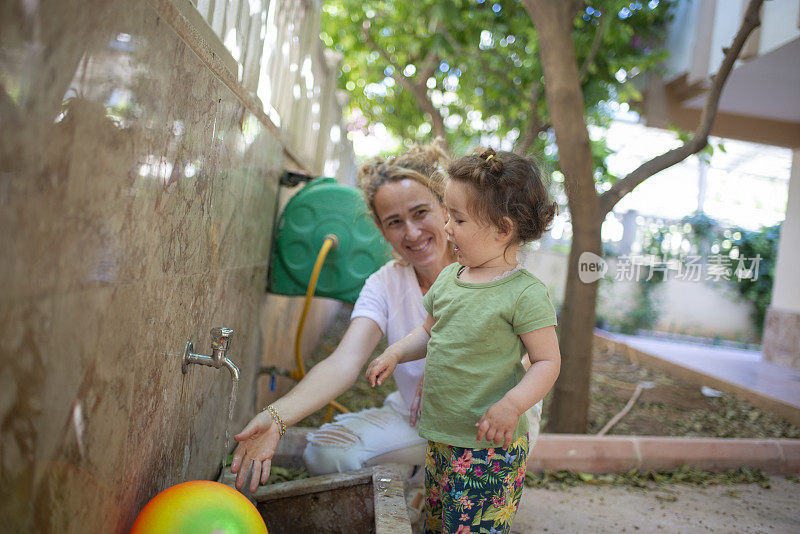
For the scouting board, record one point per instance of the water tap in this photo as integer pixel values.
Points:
(220, 343)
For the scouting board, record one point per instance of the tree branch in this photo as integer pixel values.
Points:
(429, 65)
(534, 125)
(596, 42)
(419, 90)
(700, 138)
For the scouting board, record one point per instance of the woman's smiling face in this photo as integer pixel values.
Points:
(412, 221)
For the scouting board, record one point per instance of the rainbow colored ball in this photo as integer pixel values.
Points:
(199, 507)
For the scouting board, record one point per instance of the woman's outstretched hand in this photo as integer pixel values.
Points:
(257, 444)
(381, 368)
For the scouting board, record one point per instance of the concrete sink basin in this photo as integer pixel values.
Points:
(368, 500)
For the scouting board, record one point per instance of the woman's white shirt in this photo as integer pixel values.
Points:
(392, 298)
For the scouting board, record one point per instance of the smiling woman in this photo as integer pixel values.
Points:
(404, 195)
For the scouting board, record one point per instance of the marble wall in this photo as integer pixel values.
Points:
(137, 196)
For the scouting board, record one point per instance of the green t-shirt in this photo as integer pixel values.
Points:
(474, 354)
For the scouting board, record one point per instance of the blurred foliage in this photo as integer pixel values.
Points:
(485, 74)
(645, 312)
(758, 290)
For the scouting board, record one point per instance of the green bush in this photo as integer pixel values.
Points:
(762, 244)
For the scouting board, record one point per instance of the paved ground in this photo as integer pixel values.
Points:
(675, 508)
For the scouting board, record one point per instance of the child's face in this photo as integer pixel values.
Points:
(477, 243)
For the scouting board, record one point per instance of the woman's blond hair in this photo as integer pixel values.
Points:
(421, 163)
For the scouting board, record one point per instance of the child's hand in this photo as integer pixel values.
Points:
(498, 423)
(381, 368)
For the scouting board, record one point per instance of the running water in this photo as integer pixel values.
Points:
(231, 404)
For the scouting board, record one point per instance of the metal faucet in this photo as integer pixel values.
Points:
(220, 342)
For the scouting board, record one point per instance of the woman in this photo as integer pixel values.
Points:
(404, 195)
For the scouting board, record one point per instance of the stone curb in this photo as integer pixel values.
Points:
(614, 454)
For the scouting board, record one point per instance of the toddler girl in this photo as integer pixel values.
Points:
(484, 312)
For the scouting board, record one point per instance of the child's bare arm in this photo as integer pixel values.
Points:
(545, 356)
(412, 347)
(498, 423)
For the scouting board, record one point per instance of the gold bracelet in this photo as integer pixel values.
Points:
(277, 419)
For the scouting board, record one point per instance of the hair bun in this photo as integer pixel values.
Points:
(493, 163)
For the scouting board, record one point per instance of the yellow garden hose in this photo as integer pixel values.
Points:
(330, 242)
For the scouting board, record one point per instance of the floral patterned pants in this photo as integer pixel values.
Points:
(473, 490)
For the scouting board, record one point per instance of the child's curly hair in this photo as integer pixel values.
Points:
(506, 185)
(421, 163)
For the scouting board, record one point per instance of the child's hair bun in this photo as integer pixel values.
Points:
(493, 164)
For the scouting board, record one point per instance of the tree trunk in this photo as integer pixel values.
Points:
(553, 21)
(569, 409)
